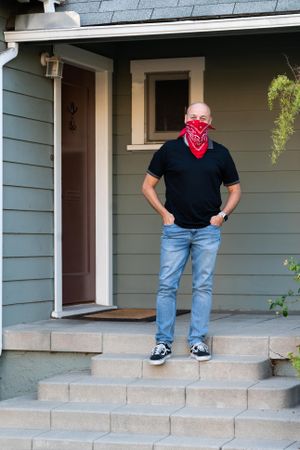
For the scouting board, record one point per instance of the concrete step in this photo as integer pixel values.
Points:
(229, 367)
(218, 393)
(190, 443)
(17, 438)
(240, 345)
(80, 416)
(115, 365)
(142, 419)
(204, 422)
(85, 388)
(258, 444)
(268, 424)
(221, 367)
(274, 393)
(127, 441)
(30, 439)
(57, 388)
(26, 413)
(68, 440)
(148, 391)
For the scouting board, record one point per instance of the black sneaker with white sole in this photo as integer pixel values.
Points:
(200, 352)
(160, 353)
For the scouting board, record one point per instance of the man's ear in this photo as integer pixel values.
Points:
(185, 118)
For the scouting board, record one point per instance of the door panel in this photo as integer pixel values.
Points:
(78, 185)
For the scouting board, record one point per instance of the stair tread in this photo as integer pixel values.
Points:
(65, 378)
(258, 444)
(190, 443)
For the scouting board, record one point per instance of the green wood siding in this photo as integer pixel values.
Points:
(265, 228)
(28, 190)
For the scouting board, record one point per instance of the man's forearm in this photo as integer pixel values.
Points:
(232, 201)
(151, 195)
(154, 201)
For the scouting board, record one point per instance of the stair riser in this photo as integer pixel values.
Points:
(273, 399)
(145, 395)
(202, 427)
(240, 345)
(182, 369)
(114, 368)
(220, 345)
(266, 429)
(216, 370)
(15, 443)
(53, 392)
(137, 423)
(80, 421)
(217, 398)
(101, 394)
(15, 418)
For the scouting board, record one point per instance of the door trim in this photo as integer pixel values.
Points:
(103, 68)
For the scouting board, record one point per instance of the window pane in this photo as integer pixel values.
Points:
(171, 101)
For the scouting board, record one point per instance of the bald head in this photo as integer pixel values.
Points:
(198, 111)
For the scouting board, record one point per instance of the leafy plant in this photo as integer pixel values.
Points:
(281, 305)
(295, 360)
(288, 94)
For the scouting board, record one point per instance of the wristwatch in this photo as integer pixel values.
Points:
(224, 215)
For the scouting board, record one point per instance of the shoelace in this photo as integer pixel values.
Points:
(159, 348)
(201, 346)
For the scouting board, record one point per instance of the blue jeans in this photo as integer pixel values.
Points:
(176, 245)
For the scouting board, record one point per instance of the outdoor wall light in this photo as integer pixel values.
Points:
(53, 64)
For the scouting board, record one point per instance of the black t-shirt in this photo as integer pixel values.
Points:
(193, 185)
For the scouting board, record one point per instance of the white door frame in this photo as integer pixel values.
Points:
(103, 68)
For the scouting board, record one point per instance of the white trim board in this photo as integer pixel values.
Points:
(103, 165)
(186, 27)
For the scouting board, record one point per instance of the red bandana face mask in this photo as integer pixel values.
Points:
(196, 135)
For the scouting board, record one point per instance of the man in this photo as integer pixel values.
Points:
(194, 167)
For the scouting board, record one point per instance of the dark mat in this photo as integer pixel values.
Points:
(125, 315)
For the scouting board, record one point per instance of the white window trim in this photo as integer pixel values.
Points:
(103, 68)
(139, 69)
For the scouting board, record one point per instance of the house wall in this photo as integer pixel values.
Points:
(28, 189)
(265, 228)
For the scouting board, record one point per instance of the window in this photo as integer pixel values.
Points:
(167, 101)
(161, 91)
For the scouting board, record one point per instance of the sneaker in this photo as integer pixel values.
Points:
(200, 352)
(160, 353)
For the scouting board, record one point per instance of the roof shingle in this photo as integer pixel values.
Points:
(98, 12)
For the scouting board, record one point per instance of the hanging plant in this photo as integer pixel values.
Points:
(288, 93)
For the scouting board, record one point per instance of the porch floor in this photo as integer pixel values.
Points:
(265, 334)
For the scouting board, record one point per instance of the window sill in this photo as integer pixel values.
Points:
(143, 147)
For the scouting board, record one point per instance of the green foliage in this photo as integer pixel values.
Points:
(295, 360)
(288, 94)
(281, 305)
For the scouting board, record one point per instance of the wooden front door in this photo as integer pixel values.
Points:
(78, 185)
